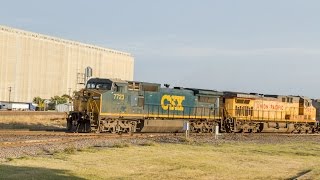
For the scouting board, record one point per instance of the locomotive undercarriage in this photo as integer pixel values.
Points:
(84, 122)
(232, 125)
(118, 125)
(78, 122)
(202, 126)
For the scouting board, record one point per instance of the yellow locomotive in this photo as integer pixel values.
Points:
(267, 113)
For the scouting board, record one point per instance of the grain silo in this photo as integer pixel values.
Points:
(33, 65)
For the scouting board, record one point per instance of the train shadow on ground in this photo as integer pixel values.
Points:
(30, 127)
(20, 172)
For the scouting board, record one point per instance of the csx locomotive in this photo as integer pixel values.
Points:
(116, 106)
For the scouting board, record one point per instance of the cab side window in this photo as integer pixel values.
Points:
(121, 89)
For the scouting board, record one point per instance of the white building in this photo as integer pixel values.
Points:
(33, 65)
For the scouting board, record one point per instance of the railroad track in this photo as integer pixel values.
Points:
(43, 133)
(60, 138)
(18, 138)
(67, 134)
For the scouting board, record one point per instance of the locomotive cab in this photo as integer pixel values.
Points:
(99, 84)
(306, 110)
(87, 104)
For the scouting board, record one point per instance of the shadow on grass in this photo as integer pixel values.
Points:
(300, 174)
(18, 172)
(31, 127)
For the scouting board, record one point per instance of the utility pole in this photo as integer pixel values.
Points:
(10, 89)
(69, 99)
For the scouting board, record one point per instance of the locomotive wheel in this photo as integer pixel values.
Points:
(73, 126)
(69, 125)
(83, 126)
(112, 130)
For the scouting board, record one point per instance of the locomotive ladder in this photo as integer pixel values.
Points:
(93, 125)
(227, 123)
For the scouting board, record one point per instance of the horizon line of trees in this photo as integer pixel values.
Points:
(51, 103)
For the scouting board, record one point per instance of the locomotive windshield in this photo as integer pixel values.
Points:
(103, 84)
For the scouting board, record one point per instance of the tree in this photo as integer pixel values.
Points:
(66, 96)
(58, 100)
(55, 100)
(40, 102)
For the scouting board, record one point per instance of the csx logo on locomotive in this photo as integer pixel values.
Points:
(172, 102)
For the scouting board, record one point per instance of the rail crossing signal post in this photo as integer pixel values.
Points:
(186, 128)
(216, 132)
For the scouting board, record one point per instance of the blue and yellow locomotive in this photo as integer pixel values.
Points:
(117, 106)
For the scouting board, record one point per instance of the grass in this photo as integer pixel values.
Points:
(121, 145)
(70, 150)
(173, 161)
(32, 122)
(149, 143)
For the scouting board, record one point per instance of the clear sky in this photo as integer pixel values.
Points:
(268, 46)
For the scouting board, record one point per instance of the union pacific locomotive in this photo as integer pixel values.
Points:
(116, 106)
